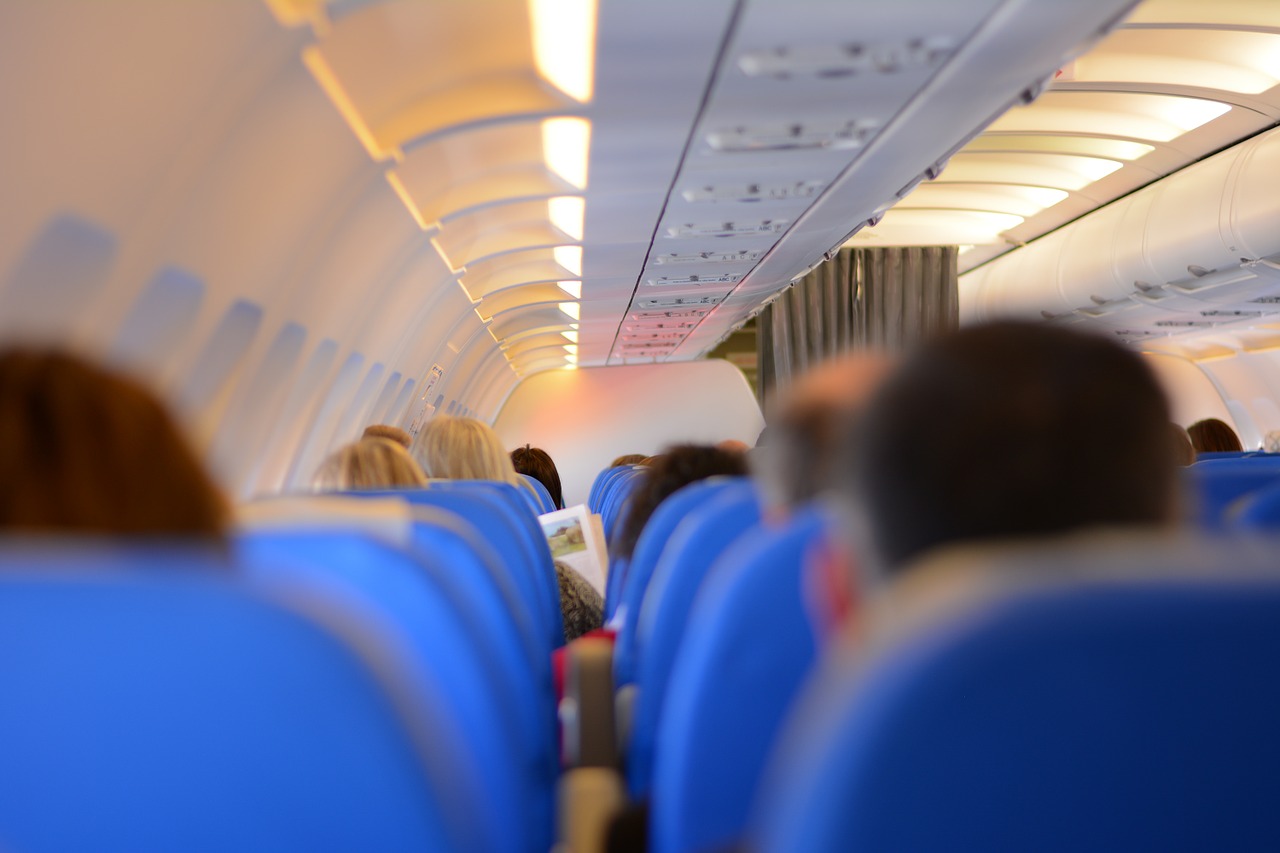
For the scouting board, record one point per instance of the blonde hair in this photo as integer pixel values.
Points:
(371, 463)
(462, 449)
(387, 431)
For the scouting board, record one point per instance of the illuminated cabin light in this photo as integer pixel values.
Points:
(1089, 146)
(571, 337)
(564, 44)
(568, 213)
(570, 358)
(573, 288)
(1243, 62)
(569, 257)
(1158, 118)
(566, 148)
(573, 309)
(572, 349)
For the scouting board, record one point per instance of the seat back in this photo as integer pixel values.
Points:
(600, 486)
(733, 683)
(456, 632)
(151, 707)
(1216, 484)
(657, 533)
(507, 525)
(1092, 715)
(696, 543)
(544, 503)
(1259, 510)
(618, 493)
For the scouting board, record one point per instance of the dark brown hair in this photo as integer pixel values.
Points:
(539, 465)
(674, 468)
(1011, 430)
(1213, 436)
(82, 449)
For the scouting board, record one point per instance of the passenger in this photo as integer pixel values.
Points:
(678, 466)
(1271, 443)
(1184, 453)
(1213, 436)
(733, 445)
(392, 433)
(86, 450)
(795, 466)
(581, 605)
(1010, 430)
(628, 459)
(370, 463)
(538, 464)
(450, 448)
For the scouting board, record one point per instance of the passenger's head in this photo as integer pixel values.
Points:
(392, 433)
(1010, 430)
(462, 449)
(1213, 436)
(676, 467)
(580, 604)
(628, 459)
(537, 463)
(804, 434)
(85, 450)
(1184, 453)
(370, 463)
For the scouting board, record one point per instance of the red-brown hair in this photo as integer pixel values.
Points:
(86, 450)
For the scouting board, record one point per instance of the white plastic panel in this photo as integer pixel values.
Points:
(585, 418)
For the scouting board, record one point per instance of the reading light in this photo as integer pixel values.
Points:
(564, 44)
(569, 257)
(571, 308)
(566, 147)
(573, 288)
(568, 214)
(571, 337)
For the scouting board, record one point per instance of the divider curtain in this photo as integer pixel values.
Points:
(872, 298)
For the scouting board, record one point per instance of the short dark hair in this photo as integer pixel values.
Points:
(673, 469)
(1214, 436)
(1006, 430)
(90, 451)
(539, 465)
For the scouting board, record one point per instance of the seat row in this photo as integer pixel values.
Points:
(355, 671)
(715, 640)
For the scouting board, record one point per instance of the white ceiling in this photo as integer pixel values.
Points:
(733, 146)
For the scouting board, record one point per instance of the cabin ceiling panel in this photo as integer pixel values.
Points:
(1174, 83)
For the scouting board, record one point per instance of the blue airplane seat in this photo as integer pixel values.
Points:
(747, 651)
(544, 503)
(615, 499)
(158, 708)
(600, 486)
(532, 539)
(443, 610)
(1258, 510)
(503, 520)
(1216, 484)
(611, 519)
(1224, 454)
(1110, 716)
(703, 535)
(653, 539)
